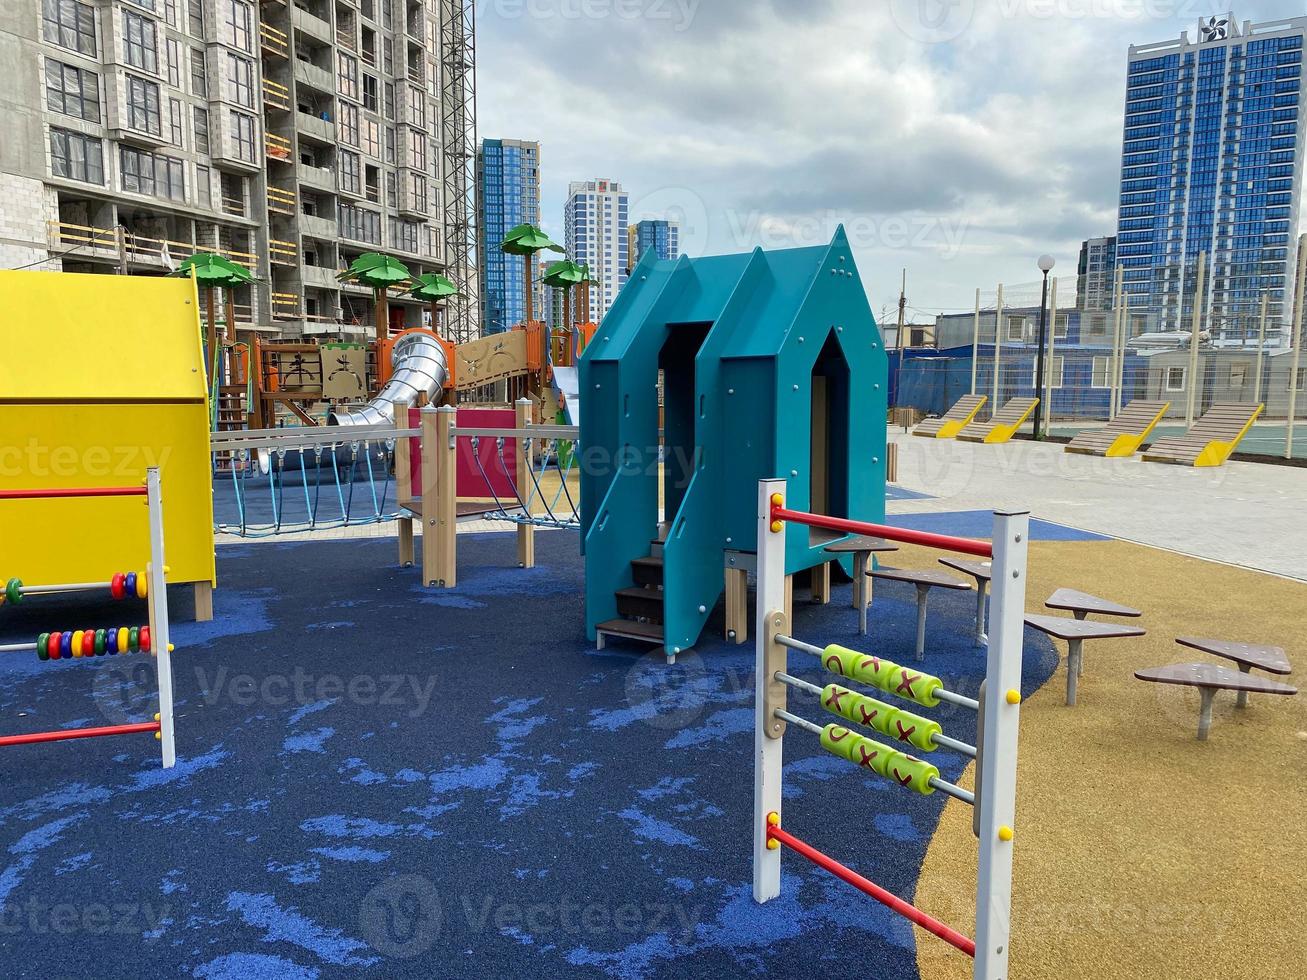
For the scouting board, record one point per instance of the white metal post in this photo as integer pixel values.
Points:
(1119, 336)
(999, 745)
(998, 348)
(1295, 341)
(1261, 347)
(767, 754)
(1195, 329)
(158, 600)
(1047, 381)
(975, 343)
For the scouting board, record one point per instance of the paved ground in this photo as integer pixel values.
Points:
(1248, 514)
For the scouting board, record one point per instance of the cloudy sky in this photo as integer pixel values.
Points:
(957, 138)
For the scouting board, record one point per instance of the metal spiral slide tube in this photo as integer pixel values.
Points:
(421, 368)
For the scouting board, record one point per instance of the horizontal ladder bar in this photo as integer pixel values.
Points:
(65, 734)
(84, 492)
(943, 542)
(940, 693)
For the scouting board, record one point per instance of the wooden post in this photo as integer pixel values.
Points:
(439, 499)
(821, 584)
(528, 261)
(404, 487)
(383, 322)
(789, 598)
(737, 605)
(526, 533)
(203, 601)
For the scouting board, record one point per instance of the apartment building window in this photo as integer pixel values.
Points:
(72, 91)
(170, 15)
(435, 160)
(372, 137)
(372, 184)
(349, 123)
(368, 9)
(417, 151)
(242, 80)
(392, 198)
(387, 56)
(359, 224)
(1061, 323)
(347, 75)
(199, 74)
(404, 235)
(349, 172)
(195, 18)
(1175, 379)
(1238, 375)
(173, 56)
(76, 156)
(201, 122)
(390, 145)
(417, 107)
(139, 42)
(175, 129)
(137, 169)
(242, 133)
(69, 24)
(203, 186)
(170, 174)
(369, 92)
(388, 102)
(238, 19)
(143, 105)
(1016, 328)
(387, 17)
(417, 192)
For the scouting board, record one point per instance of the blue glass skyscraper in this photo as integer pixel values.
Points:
(659, 234)
(1211, 162)
(508, 194)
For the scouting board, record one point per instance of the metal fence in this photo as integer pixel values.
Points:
(1107, 347)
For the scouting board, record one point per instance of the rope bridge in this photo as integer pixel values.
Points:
(523, 510)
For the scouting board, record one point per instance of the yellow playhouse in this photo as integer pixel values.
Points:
(100, 378)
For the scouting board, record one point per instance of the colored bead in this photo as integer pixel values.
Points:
(14, 591)
(116, 585)
(99, 643)
(122, 640)
(52, 646)
(75, 646)
(129, 584)
(134, 639)
(42, 646)
(88, 643)
(65, 645)
(145, 639)
(142, 586)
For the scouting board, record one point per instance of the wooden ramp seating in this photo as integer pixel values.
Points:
(948, 425)
(1212, 439)
(1124, 434)
(1003, 426)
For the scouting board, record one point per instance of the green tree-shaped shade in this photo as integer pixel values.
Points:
(432, 287)
(527, 240)
(213, 270)
(564, 275)
(376, 271)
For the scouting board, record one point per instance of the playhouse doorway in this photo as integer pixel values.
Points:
(677, 450)
(828, 466)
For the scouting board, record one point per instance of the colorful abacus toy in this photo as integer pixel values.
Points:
(152, 638)
(123, 585)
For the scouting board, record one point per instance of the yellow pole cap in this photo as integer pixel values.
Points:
(171, 648)
(156, 716)
(1005, 834)
(158, 736)
(777, 500)
(1013, 697)
(773, 819)
(776, 527)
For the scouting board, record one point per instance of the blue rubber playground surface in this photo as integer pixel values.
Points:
(378, 780)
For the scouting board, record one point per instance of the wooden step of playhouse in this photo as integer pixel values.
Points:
(629, 630)
(640, 604)
(648, 571)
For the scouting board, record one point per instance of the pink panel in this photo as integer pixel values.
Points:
(470, 482)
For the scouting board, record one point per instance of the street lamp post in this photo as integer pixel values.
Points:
(1046, 263)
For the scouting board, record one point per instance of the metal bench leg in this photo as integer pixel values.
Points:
(1208, 695)
(1242, 700)
(1073, 669)
(922, 592)
(861, 586)
(981, 590)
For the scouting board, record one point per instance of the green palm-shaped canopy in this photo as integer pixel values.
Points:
(213, 270)
(376, 271)
(527, 240)
(564, 275)
(432, 287)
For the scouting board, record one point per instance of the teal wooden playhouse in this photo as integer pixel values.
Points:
(772, 366)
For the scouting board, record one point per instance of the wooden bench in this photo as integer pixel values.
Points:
(948, 425)
(1124, 434)
(1003, 426)
(861, 548)
(924, 579)
(1210, 678)
(1245, 655)
(1075, 632)
(1081, 604)
(982, 572)
(1212, 439)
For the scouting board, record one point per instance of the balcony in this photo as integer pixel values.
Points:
(273, 41)
(318, 178)
(281, 201)
(320, 277)
(277, 148)
(323, 130)
(283, 253)
(318, 227)
(311, 25)
(275, 95)
(307, 73)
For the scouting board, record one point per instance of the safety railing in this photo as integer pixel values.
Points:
(273, 41)
(993, 802)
